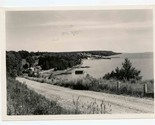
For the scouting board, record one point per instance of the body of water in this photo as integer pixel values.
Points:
(99, 67)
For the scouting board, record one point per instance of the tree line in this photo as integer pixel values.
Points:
(47, 60)
(59, 62)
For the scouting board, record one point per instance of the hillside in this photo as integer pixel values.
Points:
(17, 62)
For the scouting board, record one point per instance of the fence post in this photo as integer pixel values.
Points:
(145, 88)
(118, 87)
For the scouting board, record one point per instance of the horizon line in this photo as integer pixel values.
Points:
(79, 51)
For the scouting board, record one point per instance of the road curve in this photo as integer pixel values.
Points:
(86, 101)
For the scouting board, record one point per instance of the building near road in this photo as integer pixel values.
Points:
(79, 72)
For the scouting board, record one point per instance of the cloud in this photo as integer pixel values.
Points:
(125, 30)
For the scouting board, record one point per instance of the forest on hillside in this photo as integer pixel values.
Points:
(47, 60)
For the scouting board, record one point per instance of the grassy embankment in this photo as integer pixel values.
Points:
(102, 85)
(22, 101)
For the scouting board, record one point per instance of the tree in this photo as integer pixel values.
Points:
(24, 54)
(126, 72)
(25, 66)
(130, 72)
(13, 63)
(30, 60)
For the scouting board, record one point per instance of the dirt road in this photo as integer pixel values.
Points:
(89, 101)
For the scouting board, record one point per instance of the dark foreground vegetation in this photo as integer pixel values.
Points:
(22, 101)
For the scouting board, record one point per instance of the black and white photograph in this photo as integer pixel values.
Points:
(79, 62)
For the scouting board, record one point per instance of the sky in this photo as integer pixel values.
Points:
(80, 30)
(47, 3)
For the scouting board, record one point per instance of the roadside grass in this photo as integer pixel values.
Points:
(132, 88)
(109, 86)
(22, 101)
(92, 107)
